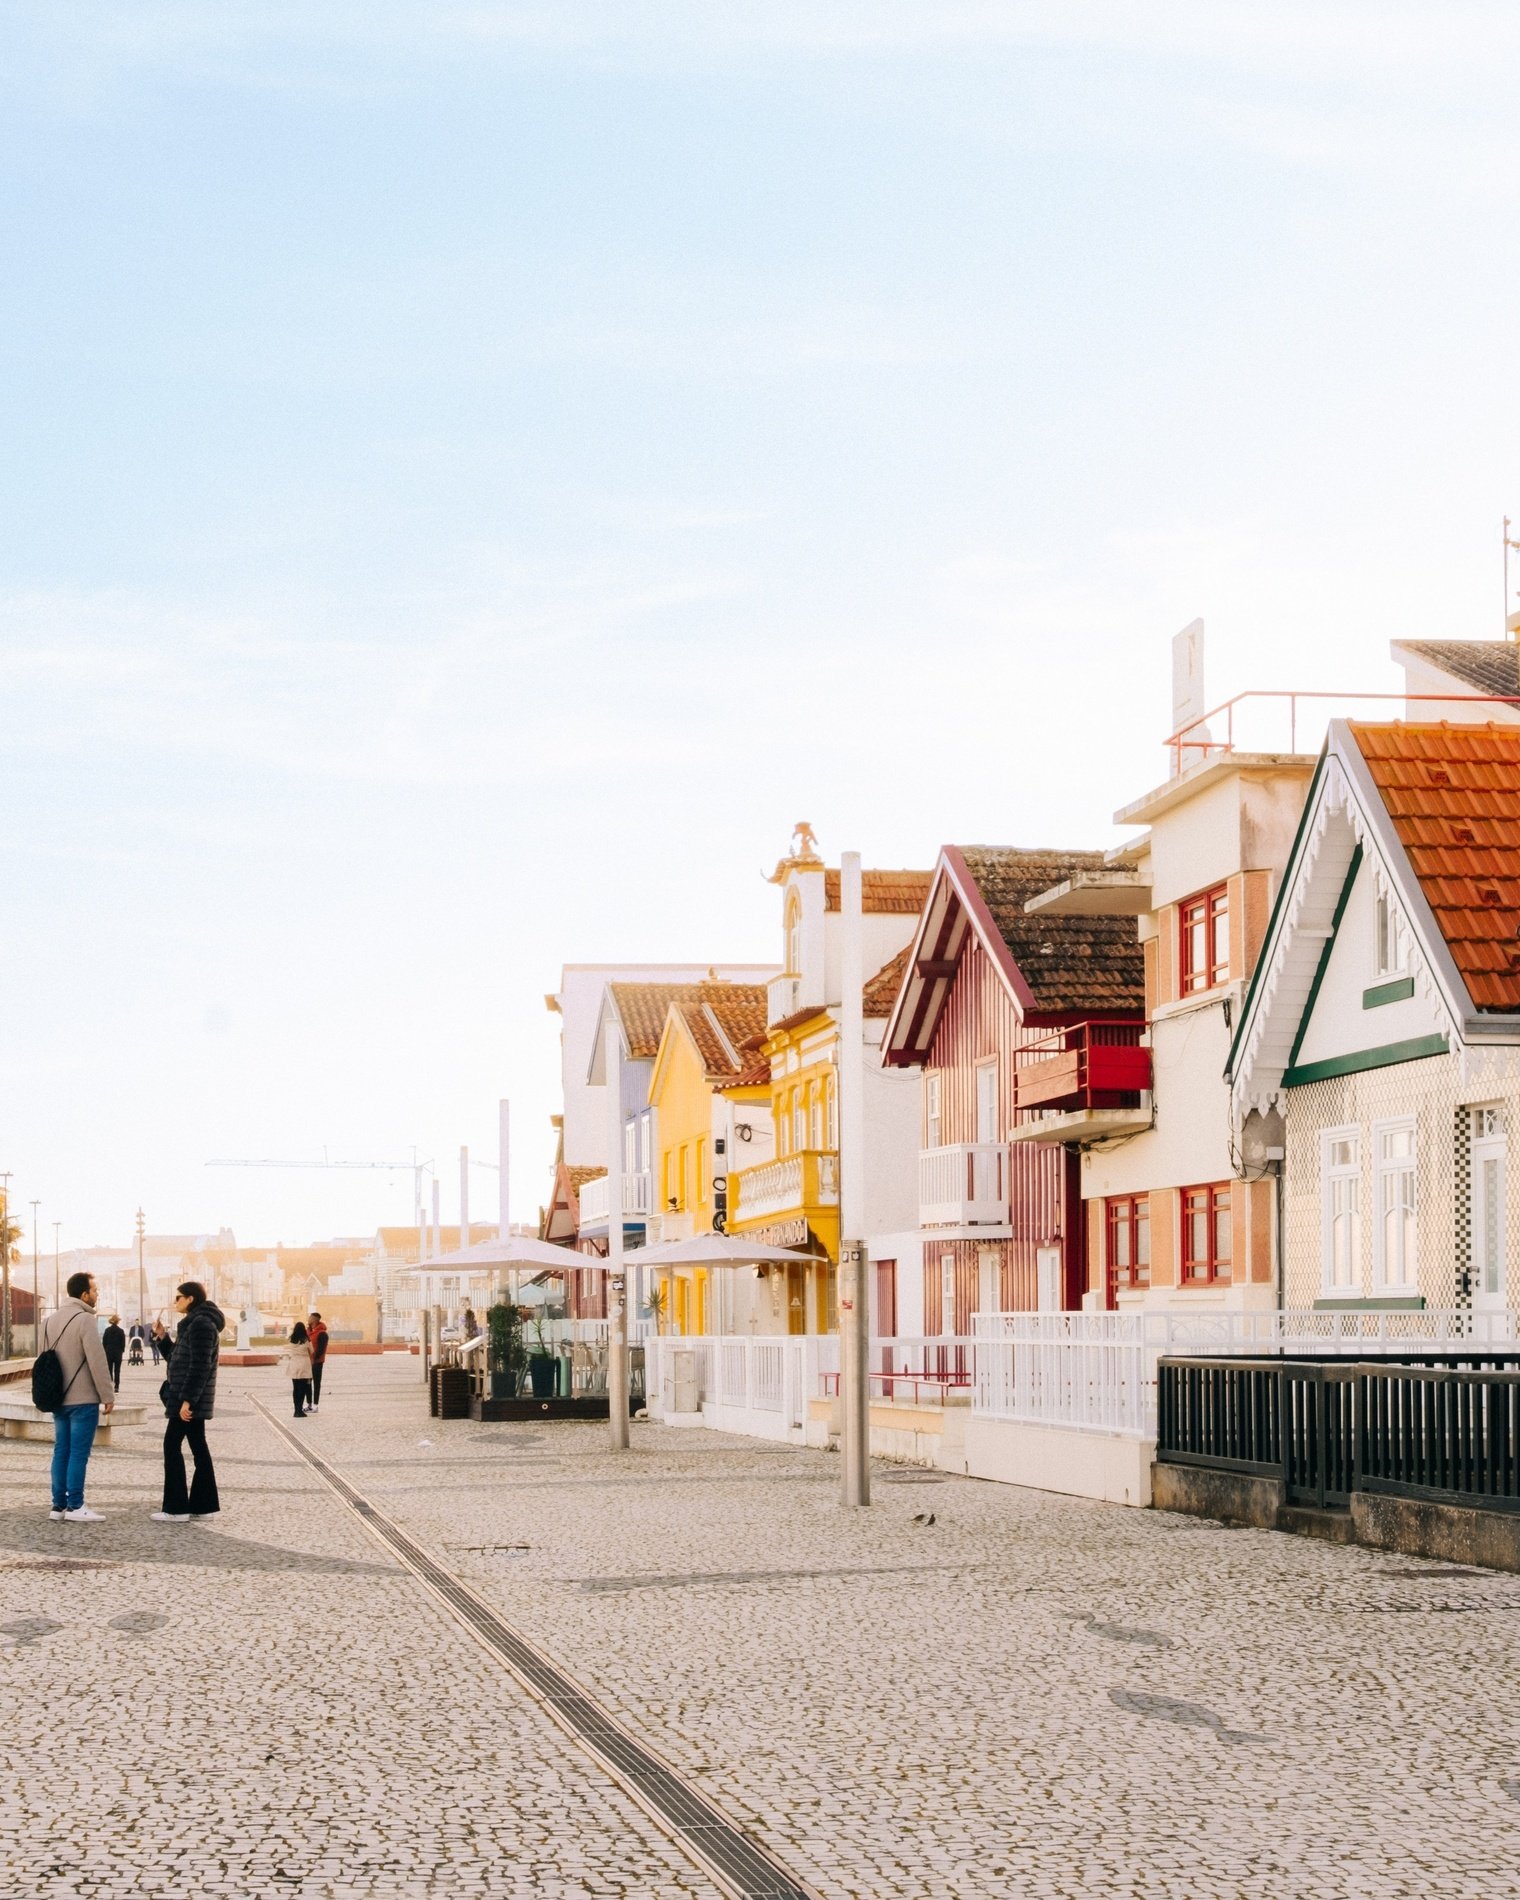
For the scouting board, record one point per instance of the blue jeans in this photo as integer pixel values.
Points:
(73, 1434)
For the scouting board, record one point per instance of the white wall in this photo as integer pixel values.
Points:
(1339, 1025)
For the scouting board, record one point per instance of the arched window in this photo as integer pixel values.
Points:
(792, 948)
(815, 1116)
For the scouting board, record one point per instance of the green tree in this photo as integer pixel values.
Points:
(504, 1342)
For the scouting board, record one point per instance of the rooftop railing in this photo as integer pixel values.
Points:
(1293, 722)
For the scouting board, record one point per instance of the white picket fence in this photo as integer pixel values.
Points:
(1097, 1371)
(1092, 1372)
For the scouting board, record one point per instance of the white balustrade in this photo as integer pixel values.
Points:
(963, 1185)
(594, 1197)
(809, 1178)
(781, 994)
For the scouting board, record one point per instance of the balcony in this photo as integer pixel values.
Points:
(781, 995)
(782, 1189)
(965, 1185)
(593, 1199)
(1082, 1081)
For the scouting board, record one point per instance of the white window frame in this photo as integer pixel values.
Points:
(1490, 1144)
(1388, 921)
(1329, 1175)
(983, 1070)
(934, 1125)
(1381, 1169)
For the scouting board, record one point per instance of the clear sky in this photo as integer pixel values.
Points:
(474, 474)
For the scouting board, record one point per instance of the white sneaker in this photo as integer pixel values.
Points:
(56, 1516)
(171, 1517)
(84, 1515)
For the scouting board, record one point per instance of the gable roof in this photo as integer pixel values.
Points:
(642, 1008)
(901, 893)
(1435, 804)
(726, 1024)
(1453, 794)
(1051, 964)
(1482, 666)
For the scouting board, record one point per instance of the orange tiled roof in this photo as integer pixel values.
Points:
(578, 1177)
(643, 1008)
(879, 994)
(902, 892)
(738, 1009)
(1453, 793)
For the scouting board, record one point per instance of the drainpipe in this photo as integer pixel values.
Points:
(854, 1286)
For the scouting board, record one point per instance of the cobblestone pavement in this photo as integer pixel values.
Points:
(1029, 1696)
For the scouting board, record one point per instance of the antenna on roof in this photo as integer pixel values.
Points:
(1511, 619)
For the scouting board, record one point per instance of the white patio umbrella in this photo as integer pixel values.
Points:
(516, 1251)
(716, 1250)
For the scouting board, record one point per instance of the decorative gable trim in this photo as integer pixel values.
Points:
(1345, 828)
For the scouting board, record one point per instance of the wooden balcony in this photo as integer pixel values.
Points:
(1086, 1078)
(964, 1185)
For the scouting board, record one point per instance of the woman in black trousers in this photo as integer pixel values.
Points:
(189, 1395)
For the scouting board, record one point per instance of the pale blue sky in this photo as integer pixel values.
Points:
(473, 475)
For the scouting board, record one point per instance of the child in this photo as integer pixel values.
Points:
(295, 1363)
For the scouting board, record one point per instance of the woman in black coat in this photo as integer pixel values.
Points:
(189, 1395)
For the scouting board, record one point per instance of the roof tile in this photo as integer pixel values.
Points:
(1068, 962)
(1453, 793)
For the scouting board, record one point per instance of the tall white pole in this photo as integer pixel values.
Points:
(854, 1285)
(504, 1187)
(617, 1303)
(436, 1246)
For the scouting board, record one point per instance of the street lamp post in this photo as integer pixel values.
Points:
(57, 1282)
(5, 1265)
(142, 1285)
(36, 1277)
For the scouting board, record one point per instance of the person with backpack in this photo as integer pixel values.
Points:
(316, 1332)
(189, 1395)
(72, 1380)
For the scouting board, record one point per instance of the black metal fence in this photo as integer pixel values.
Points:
(1443, 1426)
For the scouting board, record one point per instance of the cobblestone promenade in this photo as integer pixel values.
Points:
(1029, 1695)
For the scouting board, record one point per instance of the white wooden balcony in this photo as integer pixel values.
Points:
(593, 1199)
(779, 1188)
(965, 1185)
(781, 995)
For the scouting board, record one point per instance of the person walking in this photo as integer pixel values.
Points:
(316, 1332)
(189, 1399)
(156, 1340)
(71, 1332)
(115, 1342)
(295, 1363)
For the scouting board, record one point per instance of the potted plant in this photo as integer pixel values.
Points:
(654, 1305)
(504, 1349)
(541, 1364)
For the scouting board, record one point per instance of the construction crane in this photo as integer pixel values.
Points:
(418, 1169)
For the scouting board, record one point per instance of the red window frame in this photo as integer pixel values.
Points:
(1203, 951)
(1207, 1212)
(1129, 1236)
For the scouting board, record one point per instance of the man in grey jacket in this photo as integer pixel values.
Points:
(88, 1390)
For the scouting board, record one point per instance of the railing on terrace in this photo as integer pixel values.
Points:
(1097, 1371)
(595, 1196)
(1291, 722)
(809, 1178)
(1443, 1427)
(781, 994)
(765, 1378)
(1083, 1065)
(963, 1185)
(929, 1371)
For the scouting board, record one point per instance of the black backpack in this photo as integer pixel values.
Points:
(47, 1377)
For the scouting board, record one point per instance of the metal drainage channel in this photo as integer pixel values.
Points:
(723, 1849)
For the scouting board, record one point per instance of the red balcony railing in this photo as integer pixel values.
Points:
(1083, 1065)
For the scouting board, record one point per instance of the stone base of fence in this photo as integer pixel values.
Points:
(932, 1435)
(1108, 1466)
(1415, 1527)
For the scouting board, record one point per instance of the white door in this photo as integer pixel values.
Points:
(988, 1282)
(1048, 1272)
(984, 1170)
(1489, 1252)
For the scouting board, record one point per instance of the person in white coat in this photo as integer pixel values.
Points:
(295, 1364)
(88, 1390)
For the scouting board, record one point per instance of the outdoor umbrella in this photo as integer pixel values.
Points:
(517, 1250)
(717, 1250)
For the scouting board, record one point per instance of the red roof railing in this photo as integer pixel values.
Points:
(1282, 717)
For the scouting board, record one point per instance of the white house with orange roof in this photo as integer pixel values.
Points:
(1378, 1049)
